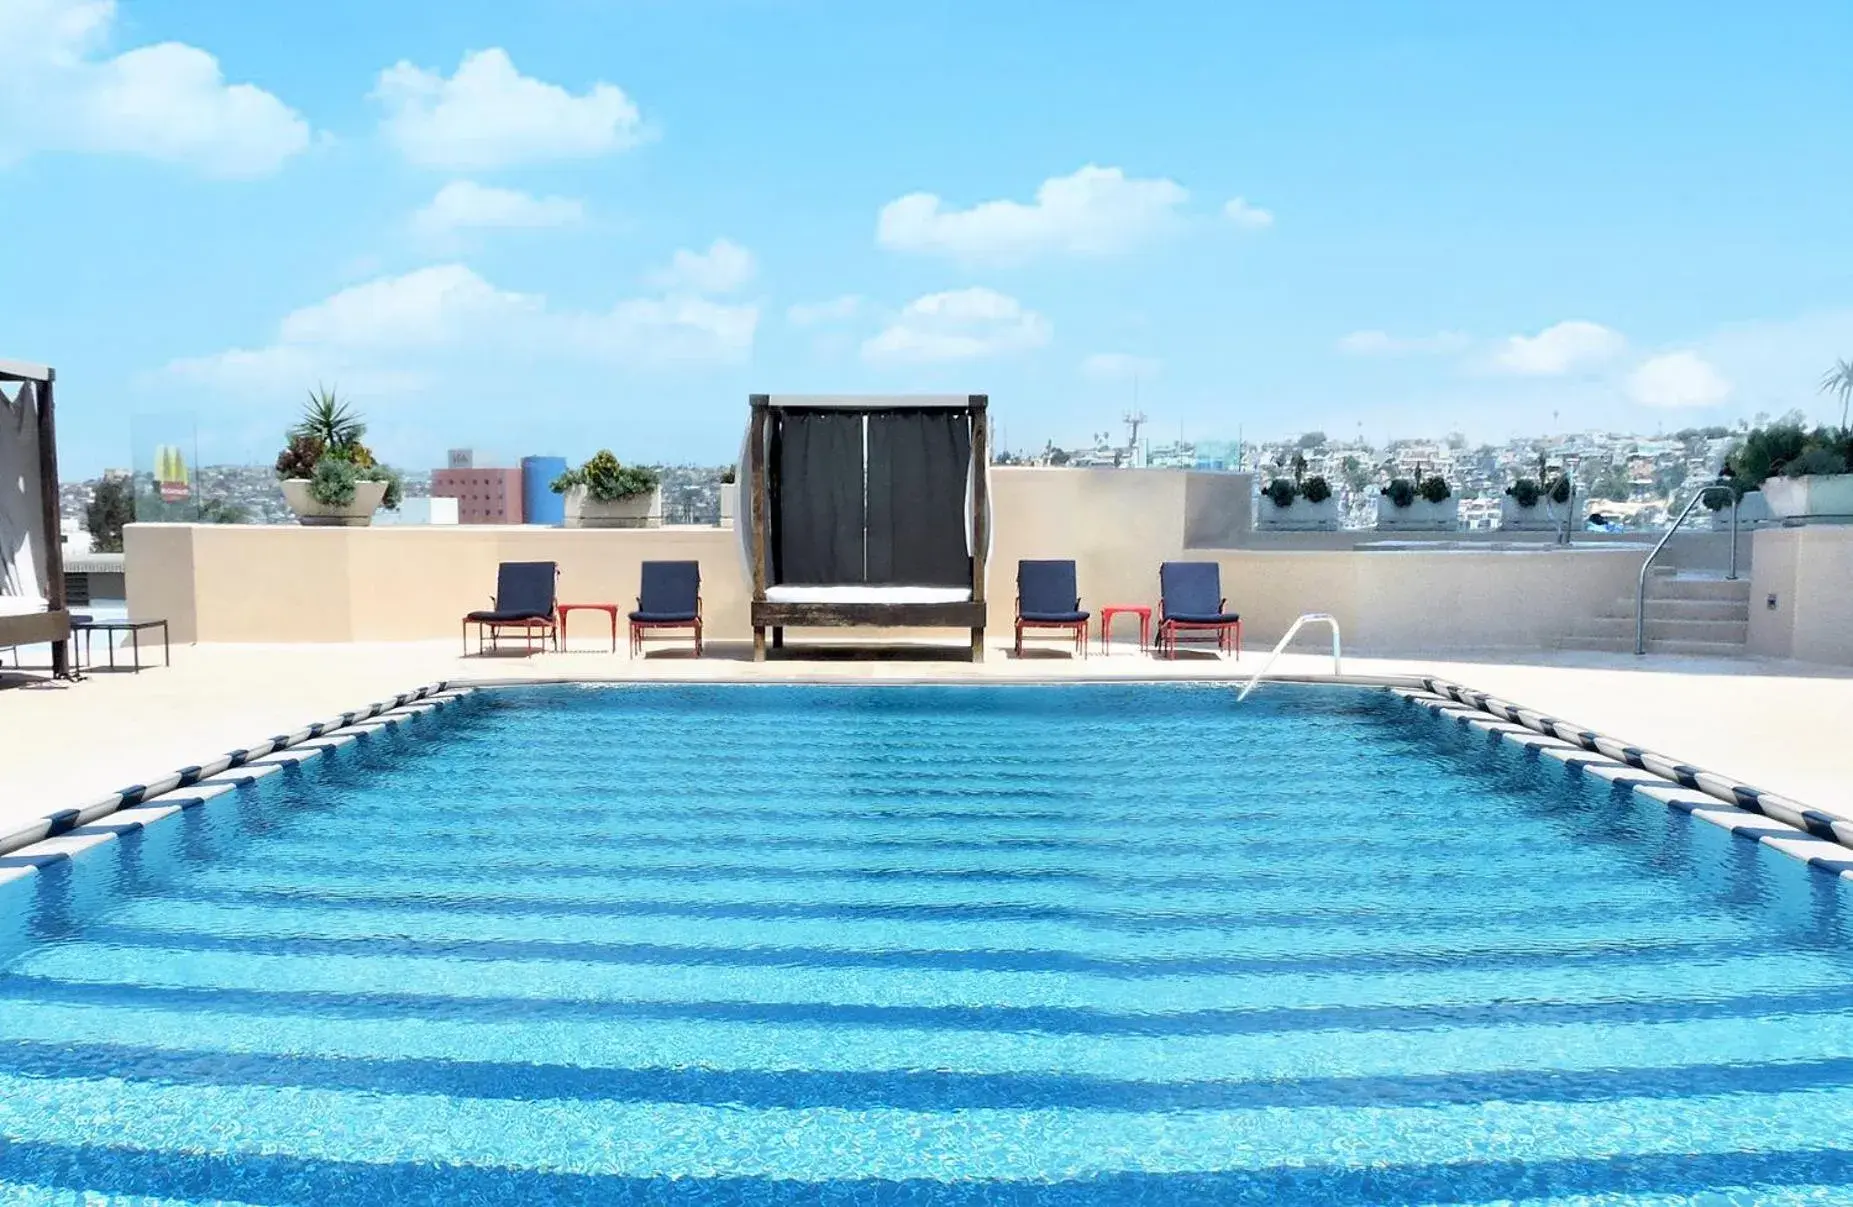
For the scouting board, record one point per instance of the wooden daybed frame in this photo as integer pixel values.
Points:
(777, 615)
(54, 623)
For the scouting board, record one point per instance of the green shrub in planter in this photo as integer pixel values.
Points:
(1560, 490)
(1435, 489)
(1316, 489)
(1400, 492)
(1281, 491)
(1525, 492)
(332, 484)
(607, 481)
(1815, 461)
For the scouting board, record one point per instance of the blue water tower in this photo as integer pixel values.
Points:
(539, 505)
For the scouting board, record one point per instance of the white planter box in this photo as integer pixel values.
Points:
(638, 511)
(1419, 516)
(1752, 509)
(1297, 516)
(358, 514)
(730, 492)
(1818, 496)
(1538, 517)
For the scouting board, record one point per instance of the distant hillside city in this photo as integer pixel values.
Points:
(1633, 480)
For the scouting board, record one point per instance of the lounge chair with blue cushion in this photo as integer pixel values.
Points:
(670, 598)
(1047, 599)
(1191, 599)
(524, 599)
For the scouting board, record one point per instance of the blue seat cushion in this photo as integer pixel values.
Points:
(508, 616)
(663, 617)
(1211, 618)
(1055, 617)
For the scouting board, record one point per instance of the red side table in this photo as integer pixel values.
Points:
(1142, 611)
(609, 609)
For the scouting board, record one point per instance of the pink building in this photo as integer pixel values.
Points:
(484, 496)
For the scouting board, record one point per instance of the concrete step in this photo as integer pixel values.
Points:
(1625, 645)
(1660, 628)
(1692, 587)
(1684, 609)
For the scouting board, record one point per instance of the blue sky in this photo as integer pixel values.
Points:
(580, 223)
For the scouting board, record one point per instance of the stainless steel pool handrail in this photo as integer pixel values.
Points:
(1640, 596)
(1338, 666)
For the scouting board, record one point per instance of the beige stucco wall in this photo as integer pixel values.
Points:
(394, 583)
(1809, 570)
(234, 583)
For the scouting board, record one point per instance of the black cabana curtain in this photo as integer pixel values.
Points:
(917, 469)
(822, 516)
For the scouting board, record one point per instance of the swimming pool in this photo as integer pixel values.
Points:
(987, 945)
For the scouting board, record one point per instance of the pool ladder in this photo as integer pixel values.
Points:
(1338, 666)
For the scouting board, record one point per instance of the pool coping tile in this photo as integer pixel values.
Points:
(1783, 824)
(61, 834)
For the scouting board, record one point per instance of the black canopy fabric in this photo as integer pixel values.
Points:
(918, 465)
(820, 517)
(874, 497)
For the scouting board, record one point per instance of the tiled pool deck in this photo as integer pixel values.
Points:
(1779, 726)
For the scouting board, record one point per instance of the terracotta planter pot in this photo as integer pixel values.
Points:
(311, 514)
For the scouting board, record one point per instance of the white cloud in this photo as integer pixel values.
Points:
(1556, 350)
(1096, 211)
(423, 308)
(489, 115)
(836, 310)
(670, 331)
(1247, 216)
(1678, 379)
(723, 268)
(1119, 366)
(963, 324)
(167, 102)
(465, 205)
(394, 332)
(1382, 343)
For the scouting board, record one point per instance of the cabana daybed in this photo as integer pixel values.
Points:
(32, 607)
(866, 511)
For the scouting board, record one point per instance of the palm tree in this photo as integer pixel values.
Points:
(328, 419)
(1839, 380)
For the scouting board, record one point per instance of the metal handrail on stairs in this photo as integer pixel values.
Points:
(1640, 597)
(1338, 666)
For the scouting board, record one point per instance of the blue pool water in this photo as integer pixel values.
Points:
(1075, 946)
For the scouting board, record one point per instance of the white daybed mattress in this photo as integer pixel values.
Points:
(860, 594)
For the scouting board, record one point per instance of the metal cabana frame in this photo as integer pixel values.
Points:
(773, 616)
(53, 625)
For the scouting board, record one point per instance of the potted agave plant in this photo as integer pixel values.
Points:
(1529, 506)
(1298, 504)
(604, 494)
(1419, 504)
(329, 477)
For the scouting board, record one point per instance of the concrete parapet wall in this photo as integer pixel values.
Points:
(1801, 594)
(247, 583)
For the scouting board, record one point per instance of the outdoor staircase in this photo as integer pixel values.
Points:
(1695, 615)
